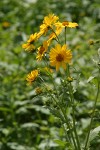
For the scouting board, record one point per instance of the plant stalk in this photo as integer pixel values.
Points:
(96, 99)
(64, 115)
(73, 111)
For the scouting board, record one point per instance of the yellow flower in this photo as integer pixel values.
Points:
(69, 24)
(59, 56)
(32, 76)
(50, 19)
(29, 45)
(41, 50)
(32, 38)
(53, 36)
(47, 23)
(61, 25)
(44, 29)
(5, 24)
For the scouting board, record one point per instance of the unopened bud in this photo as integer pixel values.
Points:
(69, 79)
(38, 90)
(91, 42)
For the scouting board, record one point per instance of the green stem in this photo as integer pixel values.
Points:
(64, 115)
(65, 35)
(73, 111)
(73, 108)
(56, 35)
(66, 133)
(96, 99)
(69, 125)
(66, 120)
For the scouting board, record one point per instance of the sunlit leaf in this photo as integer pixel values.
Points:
(90, 78)
(94, 133)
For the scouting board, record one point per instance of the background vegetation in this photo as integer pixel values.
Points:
(24, 123)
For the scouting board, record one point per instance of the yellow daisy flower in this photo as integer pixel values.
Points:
(51, 37)
(44, 29)
(61, 25)
(47, 23)
(41, 50)
(29, 45)
(32, 76)
(33, 38)
(69, 24)
(50, 19)
(59, 56)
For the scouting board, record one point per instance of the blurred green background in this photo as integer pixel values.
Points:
(24, 123)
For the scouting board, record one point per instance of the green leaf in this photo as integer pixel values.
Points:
(94, 133)
(29, 125)
(59, 142)
(5, 109)
(90, 78)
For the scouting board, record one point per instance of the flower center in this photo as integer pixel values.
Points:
(65, 23)
(31, 42)
(42, 49)
(60, 57)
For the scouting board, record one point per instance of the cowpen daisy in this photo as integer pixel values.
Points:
(60, 56)
(60, 25)
(41, 50)
(48, 23)
(29, 46)
(31, 77)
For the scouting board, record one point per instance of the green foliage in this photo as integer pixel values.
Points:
(24, 123)
(94, 133)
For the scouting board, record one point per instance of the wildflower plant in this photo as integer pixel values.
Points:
(57, 57)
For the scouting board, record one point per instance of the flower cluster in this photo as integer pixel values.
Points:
(60, 55)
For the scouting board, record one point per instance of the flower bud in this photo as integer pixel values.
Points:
(91, 42)
(69, 79)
